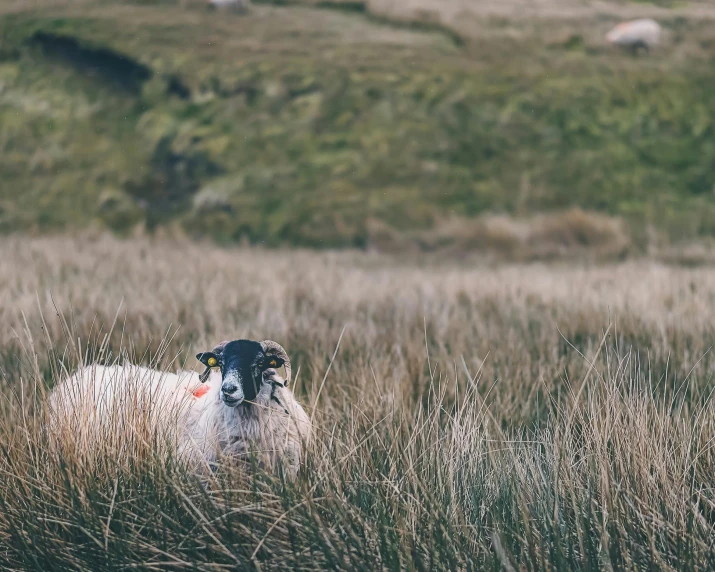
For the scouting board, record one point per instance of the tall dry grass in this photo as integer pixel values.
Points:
(506, 417)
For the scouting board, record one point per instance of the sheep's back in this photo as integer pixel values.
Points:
(115, 407)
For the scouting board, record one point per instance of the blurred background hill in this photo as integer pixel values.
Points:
(426, 125)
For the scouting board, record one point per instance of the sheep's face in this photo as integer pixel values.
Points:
(242, 363)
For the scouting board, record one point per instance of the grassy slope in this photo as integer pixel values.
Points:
(302, 125)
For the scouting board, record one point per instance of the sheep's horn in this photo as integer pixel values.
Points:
(218, 348)
(274, 348)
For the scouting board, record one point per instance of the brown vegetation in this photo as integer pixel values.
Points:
(568, 235)
(547, 416)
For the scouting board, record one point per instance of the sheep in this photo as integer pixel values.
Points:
(240, 6)
(635, 34)
(238, 407)
(251, 409)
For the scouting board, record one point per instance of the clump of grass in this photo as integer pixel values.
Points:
(571, 234)
(473, 417)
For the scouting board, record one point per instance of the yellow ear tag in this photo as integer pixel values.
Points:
(212, 361)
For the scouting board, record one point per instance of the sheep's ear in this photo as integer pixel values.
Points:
(272, 361)
(209, 359)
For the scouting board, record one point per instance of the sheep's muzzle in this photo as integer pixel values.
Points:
(232, 388)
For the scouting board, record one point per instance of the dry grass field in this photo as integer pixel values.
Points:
(532, 417)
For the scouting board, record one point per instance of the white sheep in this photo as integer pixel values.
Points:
(635, 34)
(240, 6)
(238, 407)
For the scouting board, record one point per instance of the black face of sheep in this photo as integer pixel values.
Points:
(242, 363)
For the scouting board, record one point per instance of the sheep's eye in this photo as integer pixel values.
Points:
(212, 361)
(273, 363)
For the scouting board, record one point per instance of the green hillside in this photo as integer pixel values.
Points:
(307, 125)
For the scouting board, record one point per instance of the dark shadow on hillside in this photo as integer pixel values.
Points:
(107, 65)
(360, 7)
(174, 177)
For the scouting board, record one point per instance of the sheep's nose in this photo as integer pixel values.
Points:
(229, 389)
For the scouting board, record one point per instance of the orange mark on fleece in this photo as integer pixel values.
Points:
(201, 390)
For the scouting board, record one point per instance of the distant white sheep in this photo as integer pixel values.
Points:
(238, 407)
(237, 5)
(636, 34)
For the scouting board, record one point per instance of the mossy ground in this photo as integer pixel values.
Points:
(302, 125)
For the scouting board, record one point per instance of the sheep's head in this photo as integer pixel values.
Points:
(243, 364)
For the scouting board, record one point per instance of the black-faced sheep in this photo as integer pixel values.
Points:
(239, 406)
(250, 408)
